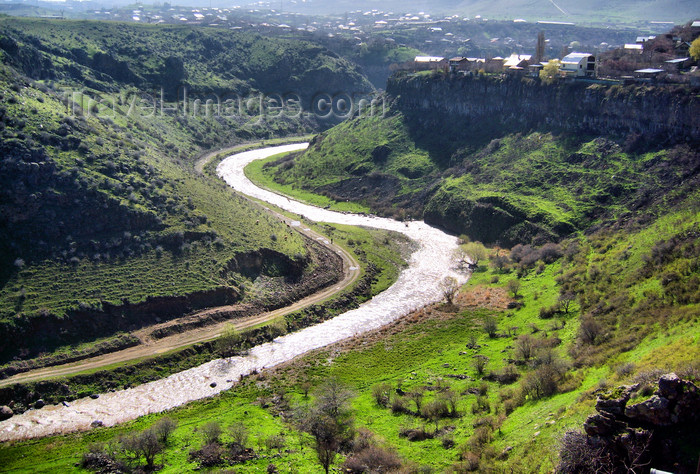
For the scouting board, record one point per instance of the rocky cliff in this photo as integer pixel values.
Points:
(663, 115)
(628, 435)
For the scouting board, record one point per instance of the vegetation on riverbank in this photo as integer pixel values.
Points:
(99, 193)
(508, 413)
(381, 255)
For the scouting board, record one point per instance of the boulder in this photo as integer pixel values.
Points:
(5, 412)
(655, 411)
(39, 404)
(670, 386)
(601, 424)
(615, 406)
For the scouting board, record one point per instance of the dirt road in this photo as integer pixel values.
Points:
(150, 347)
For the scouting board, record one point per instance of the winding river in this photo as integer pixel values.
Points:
(416, 286)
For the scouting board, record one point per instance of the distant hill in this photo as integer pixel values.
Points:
(564, 10)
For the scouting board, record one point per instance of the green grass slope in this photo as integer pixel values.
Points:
(515, 188)
(101, 207)
(500, 424)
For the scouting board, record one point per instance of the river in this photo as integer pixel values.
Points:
(416, 286)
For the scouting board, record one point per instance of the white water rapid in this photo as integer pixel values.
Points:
(416, 286)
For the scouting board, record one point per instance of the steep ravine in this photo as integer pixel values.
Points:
(416, 286)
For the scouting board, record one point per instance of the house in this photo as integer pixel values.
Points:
(517, 61)
(533, 70)
(644, 39)
(430, 63)
(678, 64)
(494, 64)
(633, 47)
(578, 65)
(459, 65)
(464, 65)
(648, 74)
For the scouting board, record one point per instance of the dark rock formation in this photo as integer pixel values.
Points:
(665, 115)
(652, 433)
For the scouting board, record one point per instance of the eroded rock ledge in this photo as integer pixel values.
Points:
(629, 434)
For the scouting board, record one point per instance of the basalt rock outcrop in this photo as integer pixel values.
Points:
(661, 114)
(652, 433)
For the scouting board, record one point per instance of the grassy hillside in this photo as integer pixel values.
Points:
(100, 204)
(510, 416)
(106, 56)
(514, 188)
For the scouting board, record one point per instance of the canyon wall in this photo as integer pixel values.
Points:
(662, 115)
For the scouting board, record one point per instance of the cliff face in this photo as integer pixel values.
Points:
(660, 115)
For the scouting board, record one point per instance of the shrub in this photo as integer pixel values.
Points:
(229, 343)
(548, 312)
(479, 362)
(490, 326)
(576, 454)
(507, 375)
(382, 394)
(164, 428)
(239, 433)
(372, 459)
(626, 369)
(209, 456)
(590, 330)
(481, 437)
(276, 442)
(398, 406)
(211, 432)
(470, 463)
(481, 405)
(448, 442)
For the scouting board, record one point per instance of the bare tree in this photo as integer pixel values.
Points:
(435, 410)
(164, 428)
(329, 421)
(490, 326)
(565, 300)
(416, 396)
(499, 262)
(144, 444)
(449, 288)
(513, 287)
(479, 362)
(525, 347)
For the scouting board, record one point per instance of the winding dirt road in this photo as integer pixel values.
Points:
(150, 347)
(416, 286)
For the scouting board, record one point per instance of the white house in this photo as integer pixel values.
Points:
(517, 61)
(429, 63)
(578, 65)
